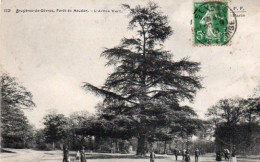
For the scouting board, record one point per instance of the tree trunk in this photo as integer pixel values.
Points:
(249, 139)
(169, 148)
(159, 147)
(111, 151)
(53, 146)
(24, 143)
(165, 144)
(231, 145)
(151, 146)
(141, 151)
(74, 141)
(117, 146)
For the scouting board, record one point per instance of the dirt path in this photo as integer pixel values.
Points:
(27, 155)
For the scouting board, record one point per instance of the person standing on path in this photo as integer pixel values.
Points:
(65, 153)
(176, 154)
(183, 154)
(218, 156)
(197, 154)
(82, 155)
(77, 156)
(233, 157)
(187, 156)
(152, 156)
(226, 154)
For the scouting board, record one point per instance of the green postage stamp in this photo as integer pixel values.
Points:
(214, 23)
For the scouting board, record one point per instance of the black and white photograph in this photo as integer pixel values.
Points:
(130, 81)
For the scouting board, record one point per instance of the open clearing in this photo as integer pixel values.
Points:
(28, 155)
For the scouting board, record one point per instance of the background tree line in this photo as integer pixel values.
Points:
(96, 132)
(236, 123)
(233, 123)
(15, 128)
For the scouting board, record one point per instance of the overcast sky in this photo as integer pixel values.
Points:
(52, 54)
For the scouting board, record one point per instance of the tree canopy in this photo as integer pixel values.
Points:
(147, 85)
(56, 127)
(236, 121)
(14, 94)
(16, 129)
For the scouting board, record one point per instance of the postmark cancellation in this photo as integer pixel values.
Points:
(214, 23)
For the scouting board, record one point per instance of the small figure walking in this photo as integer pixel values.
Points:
(176, 154)
(233, 157)
(183, 154)
(187, 157)
(77, 156)
(65, 153)
(152, 156)
(226, 154)
(218, 156)
(197, 154)
(82, 155)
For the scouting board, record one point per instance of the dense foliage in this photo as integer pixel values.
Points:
(55, 129)
(236, 122)
(16, 131)
(142, 95)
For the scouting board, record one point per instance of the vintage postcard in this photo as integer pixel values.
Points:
(135, 81)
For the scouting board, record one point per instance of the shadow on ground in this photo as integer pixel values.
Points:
(115, 156)
(7, 151)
